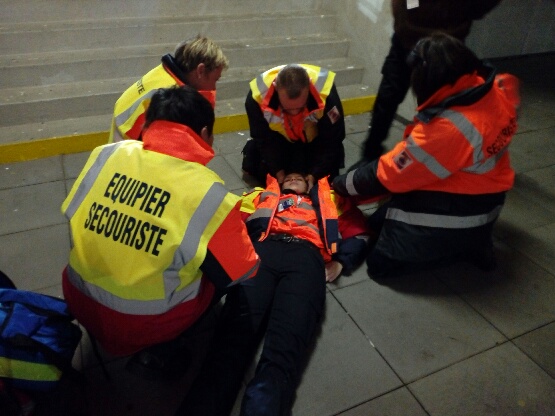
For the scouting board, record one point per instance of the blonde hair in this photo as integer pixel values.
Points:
(200, 50)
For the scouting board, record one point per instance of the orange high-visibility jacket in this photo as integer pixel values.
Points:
(448, 177)
(296, 215)
(461, 149)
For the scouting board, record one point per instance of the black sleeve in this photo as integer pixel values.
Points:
(351, 253)
(362, 181)
(327, 147)
(214, 271)
(268, 142)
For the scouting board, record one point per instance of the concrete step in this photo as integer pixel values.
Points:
(128, 32)
(81, 11)
(60, 75)
(87, 65)
(89, 98)
(52, 127)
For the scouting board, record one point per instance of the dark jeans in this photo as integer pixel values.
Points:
(284, 304)
(393, 88)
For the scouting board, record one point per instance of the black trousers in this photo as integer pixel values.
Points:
(406, 248)
(393, 88)
(283, 304)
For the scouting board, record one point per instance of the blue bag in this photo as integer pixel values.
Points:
(37, 339)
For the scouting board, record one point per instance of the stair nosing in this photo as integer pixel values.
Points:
(70, 25)
(86, 55)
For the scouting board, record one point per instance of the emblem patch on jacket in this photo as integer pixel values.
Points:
(402, 160)
(334, 115)
(285, 203)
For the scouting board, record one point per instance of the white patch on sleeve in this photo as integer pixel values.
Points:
(334, 115)
(402, 160)
(412, 4)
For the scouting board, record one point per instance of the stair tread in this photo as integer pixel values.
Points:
(79, 77)
(118, 85)
(154, 50)
(126, 21)
(90, 124)
(74, 38)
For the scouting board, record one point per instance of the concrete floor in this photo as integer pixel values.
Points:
(455, 341)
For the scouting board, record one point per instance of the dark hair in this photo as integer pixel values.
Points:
(294, 79)
(439, 60)
(183, 105)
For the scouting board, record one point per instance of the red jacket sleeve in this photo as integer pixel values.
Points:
(231, 257)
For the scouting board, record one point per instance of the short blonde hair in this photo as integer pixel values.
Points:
(200, 50)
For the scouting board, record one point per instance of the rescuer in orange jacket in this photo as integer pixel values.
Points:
(295, 232)
(449, 176)
(197, 62)
(413, 20)
(155, 235)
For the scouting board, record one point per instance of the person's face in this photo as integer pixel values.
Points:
(295, 182)
(292, 106)
(203, 80)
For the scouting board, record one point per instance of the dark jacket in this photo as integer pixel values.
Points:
(453, 17)
(322, 156)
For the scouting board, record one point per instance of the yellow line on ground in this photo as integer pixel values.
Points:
(40, 148)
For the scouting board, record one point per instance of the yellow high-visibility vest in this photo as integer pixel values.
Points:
(321, 84)
(139, 240)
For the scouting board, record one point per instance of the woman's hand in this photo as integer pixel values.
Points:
(333, 270)
(310, 181)
(280, 176)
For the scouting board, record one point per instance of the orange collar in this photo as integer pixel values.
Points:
(176, 140)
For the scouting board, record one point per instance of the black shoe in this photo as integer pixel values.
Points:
(158, 366)
(484, 260)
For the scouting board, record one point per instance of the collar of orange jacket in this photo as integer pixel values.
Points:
(176, 140)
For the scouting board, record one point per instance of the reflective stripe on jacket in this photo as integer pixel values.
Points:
(130, 108)
(263, 92)
(448, 177)
(142, 222)
(315, 218)
(461, 149)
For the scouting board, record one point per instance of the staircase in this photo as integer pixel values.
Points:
(61, 77)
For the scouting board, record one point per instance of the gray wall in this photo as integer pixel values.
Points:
(515, 27)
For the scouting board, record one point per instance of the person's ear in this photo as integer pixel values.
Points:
(207, 137)
(200, 70)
